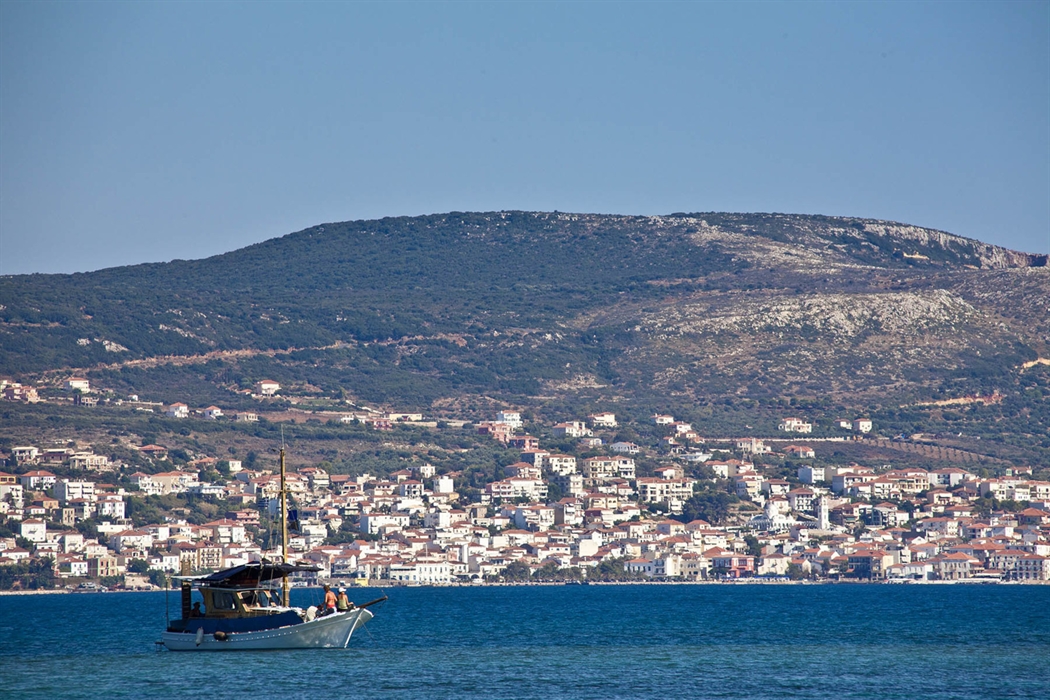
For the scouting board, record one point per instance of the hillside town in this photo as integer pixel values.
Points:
(700, 510)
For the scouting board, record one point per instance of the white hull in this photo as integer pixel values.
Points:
(328, 632)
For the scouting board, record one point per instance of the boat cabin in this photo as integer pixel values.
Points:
(237, 600)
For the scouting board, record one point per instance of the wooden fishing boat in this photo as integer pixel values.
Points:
(243, 608)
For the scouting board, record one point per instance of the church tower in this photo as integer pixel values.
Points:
(823, 522)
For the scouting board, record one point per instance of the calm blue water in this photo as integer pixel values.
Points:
(652, 641)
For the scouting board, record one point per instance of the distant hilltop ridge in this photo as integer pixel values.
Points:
(902, 241)
(528, 306)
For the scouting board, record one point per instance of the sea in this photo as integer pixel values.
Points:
(594, 641)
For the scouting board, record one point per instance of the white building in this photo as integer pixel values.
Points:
(561, 464)
(511, 418)
(625, 448)
(175, 482)
(772, 520)
(572, 429)
(424, 571)
(372, 523)
(601, 468)
(671, 491)
(12, 492)
(862, 425)
(131, 539)
(33, 529)
(37, 479)
(795, 425)
(810, 474)
(26, 455)
(537, 518)
(78, 384)
(571, 484)
(753, 445)
(111, 506)
(178, 410)
(267, 387)
(66, 490)
(146, 484)
(89, 461)
(532, 489)
(443, 484)
(603, 420)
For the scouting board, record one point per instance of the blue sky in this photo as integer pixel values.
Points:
(135, 132)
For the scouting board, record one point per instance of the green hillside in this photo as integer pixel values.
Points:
(732, 316)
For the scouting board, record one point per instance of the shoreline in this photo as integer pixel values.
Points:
(515, 584)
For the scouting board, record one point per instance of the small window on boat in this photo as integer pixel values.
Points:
(223, 600)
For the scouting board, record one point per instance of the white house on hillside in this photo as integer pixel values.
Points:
(795, 425)
(78, 384)
(267, 387)
(573, 429)
(511, 418)
(178, 410)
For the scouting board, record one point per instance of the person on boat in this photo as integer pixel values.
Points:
(196, 612)
(329, 600)
(342, 603)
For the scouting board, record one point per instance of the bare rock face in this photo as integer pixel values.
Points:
(990, 256)
(836, 317)
(836, 242)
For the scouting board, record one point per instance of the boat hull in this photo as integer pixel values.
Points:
(328, 632)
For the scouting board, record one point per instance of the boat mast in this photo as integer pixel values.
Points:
(284, 532)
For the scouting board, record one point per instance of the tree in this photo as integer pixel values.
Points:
(550, 571)
(345, 533)
(754, 547)
(32, 574)
(138, 566)
(710, 506)
(88, 528)
(8, 528)
(517, 571)
(613, 570)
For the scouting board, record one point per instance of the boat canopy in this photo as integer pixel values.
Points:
(249, 575)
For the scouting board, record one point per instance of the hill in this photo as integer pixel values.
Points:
(732, 318)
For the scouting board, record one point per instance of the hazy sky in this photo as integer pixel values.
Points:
(146, 131)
